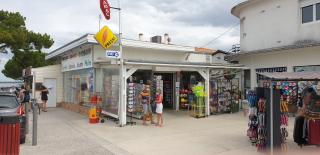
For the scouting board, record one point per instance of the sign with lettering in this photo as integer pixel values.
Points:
(113, 54)
(77, 60)
(105, 37)
(105, 8)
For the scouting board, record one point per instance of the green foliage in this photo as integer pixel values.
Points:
(22, 60)
(24, 44)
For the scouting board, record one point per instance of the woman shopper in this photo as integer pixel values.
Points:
(44, 98)
(159, 108)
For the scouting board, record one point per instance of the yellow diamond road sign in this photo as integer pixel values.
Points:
(105, 37)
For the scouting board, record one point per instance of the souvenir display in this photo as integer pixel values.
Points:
(289, 93)
(184, 98)
(214, 104)
(306, 129)
(224, 96)
(252, 132)
(167, 94)
(198, 107)
(134, 107)
(258, 131)
(261, 130)
(131, 97)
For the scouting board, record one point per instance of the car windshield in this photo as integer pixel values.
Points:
(8, 102)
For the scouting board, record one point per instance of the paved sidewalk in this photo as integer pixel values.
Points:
(65, 132)
(58, 134)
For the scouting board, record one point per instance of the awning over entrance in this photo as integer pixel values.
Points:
(294, 76)
(184, 64)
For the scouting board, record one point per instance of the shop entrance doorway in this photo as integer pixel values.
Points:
(168, 89)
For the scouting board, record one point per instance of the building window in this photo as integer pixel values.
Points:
(312, 68)
(318, 11)
(307, 14)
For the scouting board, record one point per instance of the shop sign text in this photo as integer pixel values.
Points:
(105, 37)
(77, 60)
(113, 54)
(105, 8)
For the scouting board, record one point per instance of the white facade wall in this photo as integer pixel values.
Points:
(131, 53)
(198, 58)
(288, 58)
(53, 72)
(218, 58)
(275, 23)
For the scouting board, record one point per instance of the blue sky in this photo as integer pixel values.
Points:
(193, 23)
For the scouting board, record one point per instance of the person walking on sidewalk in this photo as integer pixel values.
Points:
(44, 98)
(145, 101)
(21, 94)
(159, 108)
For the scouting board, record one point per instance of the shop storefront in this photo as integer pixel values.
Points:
(88, 74)
(270, 107)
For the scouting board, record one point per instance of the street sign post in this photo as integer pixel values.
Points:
(105, 7)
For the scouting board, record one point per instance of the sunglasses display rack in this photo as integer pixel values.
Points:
(131, 101)
(134, 107)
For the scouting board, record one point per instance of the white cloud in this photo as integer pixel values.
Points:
(188, 22)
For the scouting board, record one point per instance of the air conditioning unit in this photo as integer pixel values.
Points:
(156, 39)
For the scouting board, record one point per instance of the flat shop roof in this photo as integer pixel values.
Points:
(294, 76)
(184, 64)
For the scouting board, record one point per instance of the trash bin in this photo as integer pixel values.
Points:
(9, 135)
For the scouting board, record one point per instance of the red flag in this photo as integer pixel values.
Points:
(105, 8)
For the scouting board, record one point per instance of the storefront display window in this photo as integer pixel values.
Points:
(187, 82)
(78, 86)
(110, 90)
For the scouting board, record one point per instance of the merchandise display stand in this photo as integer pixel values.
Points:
(224, 96)
(289, 93)
(184, 99)
(264, 130)
(198, 108)
(276, 109)
(131, 102)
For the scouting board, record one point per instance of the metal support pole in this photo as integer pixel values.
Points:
(35, 123)
(123, 120)
(271, 118)
(207, 88)
(34, 85)
(26, 107)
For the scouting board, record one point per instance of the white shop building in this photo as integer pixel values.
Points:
(86, 71)
(277, 36)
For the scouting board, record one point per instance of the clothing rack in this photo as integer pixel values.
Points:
(306, 129)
